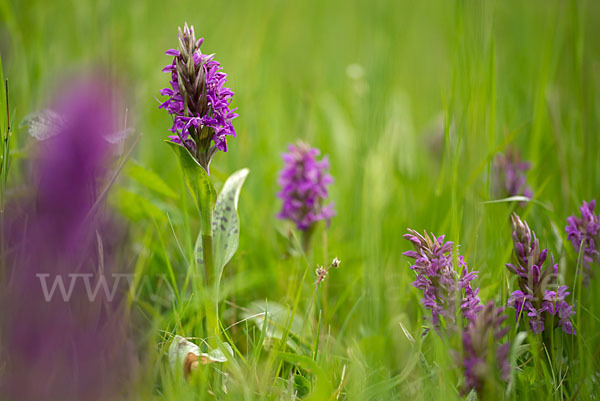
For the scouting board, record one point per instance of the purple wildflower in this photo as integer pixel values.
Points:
(304, 182)
(80, 349)
(534, 298)
(198, 101)
(483, 332)
(584, 233)
(510, 177)
(438, 279)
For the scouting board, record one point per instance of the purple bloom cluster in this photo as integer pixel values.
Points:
(80, 349)
(584, 233)
(534, 298)
(438, 279)
(304, 182)
(510, 177)
(480, 333)
(198, 101)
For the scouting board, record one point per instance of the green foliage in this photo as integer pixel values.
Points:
(225, 226)
(226, 223)
(198, 184)
(149, 179)
(276, 322)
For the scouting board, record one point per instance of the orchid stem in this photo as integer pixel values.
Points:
(210, 305)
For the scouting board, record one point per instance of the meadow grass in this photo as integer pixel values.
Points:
(411, 101)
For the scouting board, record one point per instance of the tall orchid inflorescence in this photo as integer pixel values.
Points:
(198, 102)
(441, 283)
(481, 340)
(584, 233)
(202, 119)
(77, 347)
(534, 298)
(510, 177)
(304, 181)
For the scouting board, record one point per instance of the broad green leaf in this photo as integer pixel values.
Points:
(150, 180)
(277, 318)
(199, 184)
(226, 223)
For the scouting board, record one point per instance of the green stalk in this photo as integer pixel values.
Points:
(324, 292)
(210, 306)
(209, 264)
(202, 191)
(306, 238)
(5, 149)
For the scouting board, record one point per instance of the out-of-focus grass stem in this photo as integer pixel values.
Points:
(5, 146)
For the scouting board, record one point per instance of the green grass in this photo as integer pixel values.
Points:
(445, 86)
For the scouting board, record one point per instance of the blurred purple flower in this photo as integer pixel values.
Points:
(198, 101)
(304, 182)
(509, 178)
(584, 233)
(534, 298)
(61, 348)
(438, 279)
(481, 333)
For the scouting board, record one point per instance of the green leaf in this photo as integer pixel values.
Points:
(199, 250)
(226, 223)
(199, 184)
(150, 180)
(277, 319)
(323, 386)
(517, 198)
(301, 385)
(136, 207)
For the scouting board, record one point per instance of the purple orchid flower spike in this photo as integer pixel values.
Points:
(509, 175)
(584, 232)
(198, 101)
(59, 342)
(481, 339)
(304, 181)
(535, 299)
(440, 282)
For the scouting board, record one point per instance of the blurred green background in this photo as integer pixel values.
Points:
(410, 100)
